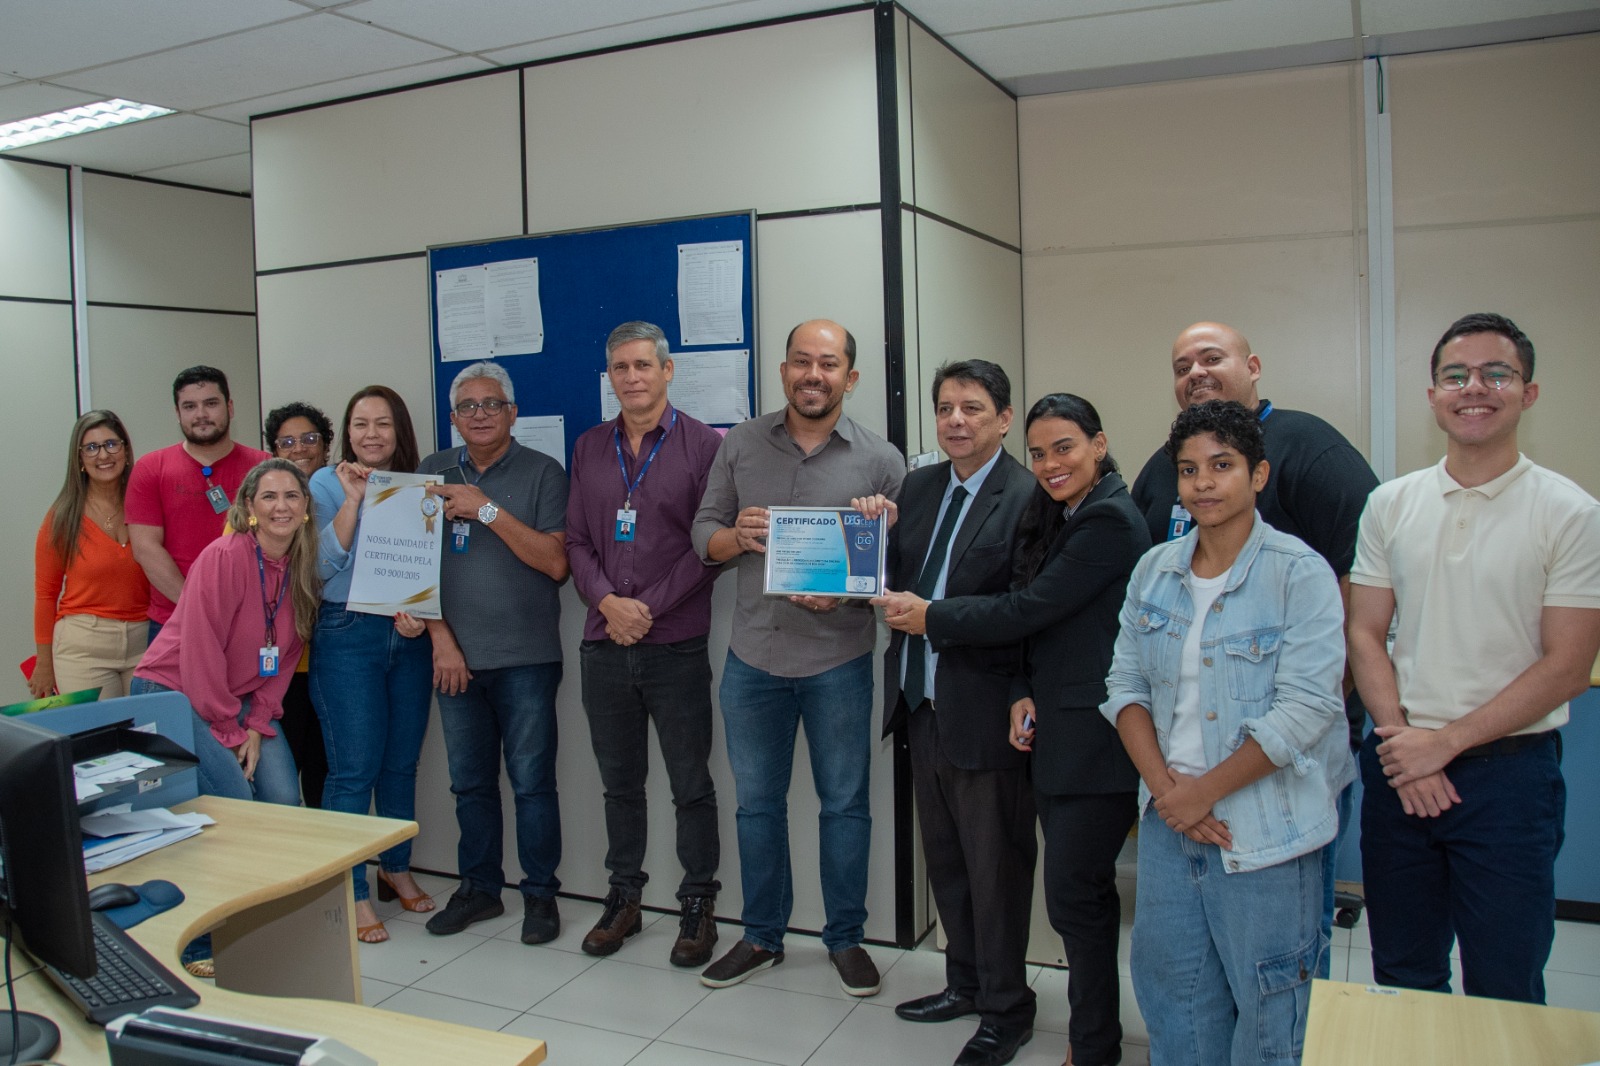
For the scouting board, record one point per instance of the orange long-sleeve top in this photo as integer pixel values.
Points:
(104, 580)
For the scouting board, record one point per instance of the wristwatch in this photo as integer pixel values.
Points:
(488, 513)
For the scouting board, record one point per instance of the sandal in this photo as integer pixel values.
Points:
(420, 904)
(372, 934)
(205, 968)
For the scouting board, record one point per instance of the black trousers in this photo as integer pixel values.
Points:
(303, 731)
(1082, 836)
(979, 839)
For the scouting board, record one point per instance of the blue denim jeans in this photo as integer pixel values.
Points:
(371, 688)
(624, 690)
(509, 711)
(760, 712)
(1482, 872)
(1330, 869)
(276, 779)
(1200, 933)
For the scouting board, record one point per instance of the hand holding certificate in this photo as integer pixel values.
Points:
(824, 551)
(396, 565)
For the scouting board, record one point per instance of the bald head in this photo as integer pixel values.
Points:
(841, 339)
(1213, 361)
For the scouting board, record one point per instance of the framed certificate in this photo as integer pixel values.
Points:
(824, 551)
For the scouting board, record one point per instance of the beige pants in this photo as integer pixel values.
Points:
(93, 652)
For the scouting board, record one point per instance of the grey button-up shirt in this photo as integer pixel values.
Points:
(760, 465)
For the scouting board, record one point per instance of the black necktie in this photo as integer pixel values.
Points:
(915, 647)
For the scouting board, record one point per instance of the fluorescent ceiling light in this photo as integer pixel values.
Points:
(83, 119)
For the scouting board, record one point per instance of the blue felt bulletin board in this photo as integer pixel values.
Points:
(589, 282)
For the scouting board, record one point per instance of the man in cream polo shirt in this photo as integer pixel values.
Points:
(1493, 564)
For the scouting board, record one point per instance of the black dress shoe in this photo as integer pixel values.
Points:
(993, 1046)
(939, 1007)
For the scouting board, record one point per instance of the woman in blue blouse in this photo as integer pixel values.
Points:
(1226, 688)
(371, 676)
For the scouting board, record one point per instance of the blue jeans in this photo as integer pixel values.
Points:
(371, 688)
(1482, 872)
(624, 690)
(1200, 933)
(1330, 867)
(760, 712)
(276, 779)
(511, 710)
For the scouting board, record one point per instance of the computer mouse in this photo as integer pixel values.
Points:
(115, 894)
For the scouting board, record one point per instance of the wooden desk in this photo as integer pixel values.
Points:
(1351, 1026)
(273, 885)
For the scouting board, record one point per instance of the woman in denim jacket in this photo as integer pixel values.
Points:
(1236, 730)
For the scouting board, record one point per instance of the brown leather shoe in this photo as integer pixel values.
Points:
(697, 932)
(619, 921)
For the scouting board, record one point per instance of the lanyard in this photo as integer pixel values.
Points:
(1266, 409)
(467, 469)
(270, 613)
(616, 438)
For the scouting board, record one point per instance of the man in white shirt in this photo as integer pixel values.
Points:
(1493, 564)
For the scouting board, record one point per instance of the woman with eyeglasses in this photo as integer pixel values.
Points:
(91, 596)
(302, 434)
(371, 676)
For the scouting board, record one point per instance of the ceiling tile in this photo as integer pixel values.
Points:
(46, 37)
(140, 146)
(306, 51)
(30, 98)
(611, 30)
(1151, 35)
(945, 17)
(230, 173)
(1400, 16)
(334, 90)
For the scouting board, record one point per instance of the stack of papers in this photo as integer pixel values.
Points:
(113, 836)
(94, 776)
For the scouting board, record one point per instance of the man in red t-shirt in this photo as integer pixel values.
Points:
(178, 496)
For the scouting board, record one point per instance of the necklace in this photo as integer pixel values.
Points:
(109, 521)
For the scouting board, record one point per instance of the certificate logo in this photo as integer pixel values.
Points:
(861, 584)
(864, 540)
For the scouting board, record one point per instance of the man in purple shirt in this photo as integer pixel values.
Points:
(636, 483)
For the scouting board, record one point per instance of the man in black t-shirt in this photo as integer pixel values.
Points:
(1317, 483)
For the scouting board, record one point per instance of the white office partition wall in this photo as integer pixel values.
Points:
(779, 118)
(35, 257)
(163, 246)
(964, 279)
(1234, 198)
(1497, 208)
(388, 175)
(135, 353)
(331, 332)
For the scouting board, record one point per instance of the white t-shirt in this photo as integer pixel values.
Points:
(1186, 748)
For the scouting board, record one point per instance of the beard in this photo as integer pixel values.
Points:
(217, 431)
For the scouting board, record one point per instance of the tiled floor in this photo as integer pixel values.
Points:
(636, 1008)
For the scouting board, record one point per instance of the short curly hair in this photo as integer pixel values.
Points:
(1234, 424)
(279, 415)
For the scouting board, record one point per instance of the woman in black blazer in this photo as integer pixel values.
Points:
(1078, 542)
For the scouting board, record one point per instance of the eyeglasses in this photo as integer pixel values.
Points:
(92, 449)
(468, 408)
(310, 440)
(1496, 376)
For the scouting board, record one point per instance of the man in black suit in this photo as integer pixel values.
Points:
(973, 796)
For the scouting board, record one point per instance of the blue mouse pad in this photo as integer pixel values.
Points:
(154, 897)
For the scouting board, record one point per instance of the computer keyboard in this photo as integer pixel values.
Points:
(127, 979)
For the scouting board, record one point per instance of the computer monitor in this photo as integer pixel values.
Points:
(43, 891)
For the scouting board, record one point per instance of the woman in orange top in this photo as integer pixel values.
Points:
(90, 595)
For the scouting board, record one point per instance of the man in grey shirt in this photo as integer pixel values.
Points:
(497, 651)
(799, 658)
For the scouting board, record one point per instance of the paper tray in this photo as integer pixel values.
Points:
(121, 736)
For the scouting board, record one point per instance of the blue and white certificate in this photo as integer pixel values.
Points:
(824, 551)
